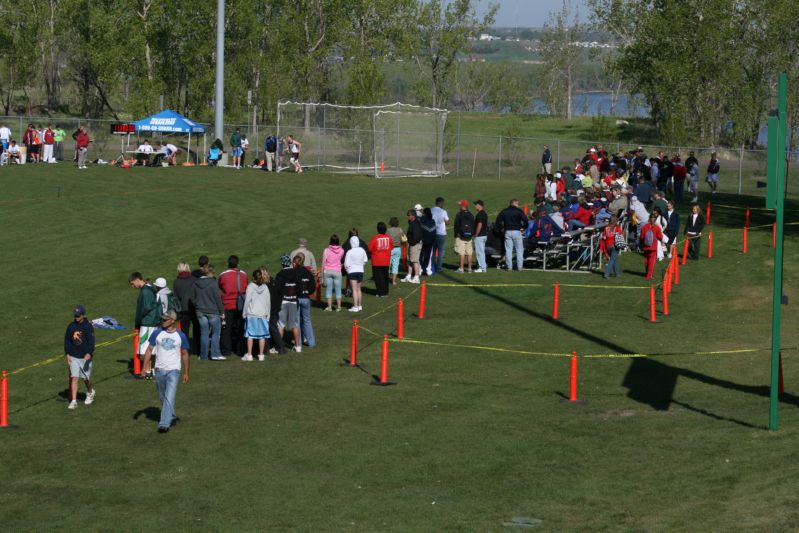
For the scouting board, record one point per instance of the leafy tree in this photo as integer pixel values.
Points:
(561, 56)
(443, 30)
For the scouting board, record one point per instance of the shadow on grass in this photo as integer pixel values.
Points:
(63, 395)
(151, 413)
(652, 382)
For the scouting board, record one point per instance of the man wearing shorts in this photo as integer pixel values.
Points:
(414, 234)
(464, 231)
(294, 150)
(148, 314)
(713, 169)
(235, 148)
(172, 347)
(288, 288)
(79, 350)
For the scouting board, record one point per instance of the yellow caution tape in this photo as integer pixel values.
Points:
(60, 356)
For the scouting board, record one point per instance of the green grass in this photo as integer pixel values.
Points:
(466, 440)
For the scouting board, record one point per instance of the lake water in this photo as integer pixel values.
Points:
(596, 104)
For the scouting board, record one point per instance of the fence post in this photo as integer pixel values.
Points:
(499, 171)
(740, 168)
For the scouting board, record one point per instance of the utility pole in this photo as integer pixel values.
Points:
(219, 102)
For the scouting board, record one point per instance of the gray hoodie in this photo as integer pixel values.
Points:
(257, 303)
(206, 296)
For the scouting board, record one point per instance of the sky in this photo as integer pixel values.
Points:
(526, 13)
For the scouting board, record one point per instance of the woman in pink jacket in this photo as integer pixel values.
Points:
(332, 258)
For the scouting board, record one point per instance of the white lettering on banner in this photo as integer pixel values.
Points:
(162, 121)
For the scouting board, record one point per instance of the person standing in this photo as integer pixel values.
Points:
(294, 150)
(257, 308)
(442, 219)
(464, 232)
(380, 247)
(27, 141)
(82, 146)
(182, 287)
(607, 245)
(332, 258)
(307, 282)
(288, 288)
(210, 312)
(172, 348)
(233, 284)
(651, 237)
(693, 231)
(79, 350)
(164, 295)
(428, 241)
(546, 160)
(235, 148)
(414, 234)
(512, 221)
(713, 169)
(49, 141)
(148, 311)
(480, 235)
(5, 137)
(672, 224)
(302, 248)
(58, 138)
(354, 262)
(397, 239)
(245, 145)
(270, 148)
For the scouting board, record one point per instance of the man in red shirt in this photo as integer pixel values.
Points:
(82, 146)
(49, 141)
(233, 285)
(380, 247)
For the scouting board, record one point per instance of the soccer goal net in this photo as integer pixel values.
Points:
(394, 140)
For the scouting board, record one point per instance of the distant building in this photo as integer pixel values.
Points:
(488, 37)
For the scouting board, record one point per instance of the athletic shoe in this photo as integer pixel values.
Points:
(460, 270)
(163, 429)
(175, 421)
(297, 349)
(273, 351)
(353, 309)
(219, 358)
(415, 280)
(247, 357)
(90, 397)
(406, 279)
(338, 309)
(73, 404)
(328, 309)
(149, 375)
(261, 357)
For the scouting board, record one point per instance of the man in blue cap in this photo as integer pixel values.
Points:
(79, 350)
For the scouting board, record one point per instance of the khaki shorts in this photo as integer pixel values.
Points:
(414, 252)
(463, 247)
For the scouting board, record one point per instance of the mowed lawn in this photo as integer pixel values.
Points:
(468, 438)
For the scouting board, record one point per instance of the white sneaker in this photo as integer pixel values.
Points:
(297, 349)
(90, 397)
(261, 357)
(247, 357)
(73, 404)
(415, 279)
(406, 279)
(273, 351)
(328, 309)
(460, 270)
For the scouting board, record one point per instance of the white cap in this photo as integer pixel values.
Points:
(558, 174)
(418, 207)
(160, 283)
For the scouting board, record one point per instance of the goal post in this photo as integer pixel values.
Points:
(396, 140)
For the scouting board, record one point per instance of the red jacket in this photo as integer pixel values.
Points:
(82, 140)
(49, 136)
(380, 247)
(584, 215)
(227, 284)
(658, 233)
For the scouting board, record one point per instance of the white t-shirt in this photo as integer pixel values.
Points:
(5, 133)
(245, 143)
(167, 347)
(145, 149)
(172, 148)
(441, 218)
(13, 149)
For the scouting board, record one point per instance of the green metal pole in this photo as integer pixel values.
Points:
(778, 254)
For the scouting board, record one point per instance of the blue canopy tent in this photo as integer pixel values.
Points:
(168, 121)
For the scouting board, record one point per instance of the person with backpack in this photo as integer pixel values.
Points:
(651, 235)
(713, 169)
(611, 244)
(270, 149)
(464, 232)
(148, 315)
(165, 297)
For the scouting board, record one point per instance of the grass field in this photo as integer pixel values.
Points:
(466, 440)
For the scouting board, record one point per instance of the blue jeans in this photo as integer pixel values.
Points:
(332, 280)
(167, 383)
(613, 267)
(213, 322)
(305, 321)
(440, 245)
(480, 251)
(514, 241)
(574, 224)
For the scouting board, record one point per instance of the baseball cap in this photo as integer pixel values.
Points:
(169, 315)
(160, 283)
(78, 310)
(418, 207)
(479, 202)
(464, 203)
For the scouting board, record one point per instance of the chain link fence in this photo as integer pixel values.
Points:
(466, 156)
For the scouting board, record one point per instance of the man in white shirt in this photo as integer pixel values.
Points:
(5, 137)
(143, 153)
(441, 219)
(172, 154)
(13, 153)
(172, 348)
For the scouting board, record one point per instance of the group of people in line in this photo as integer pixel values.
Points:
(41, 145)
